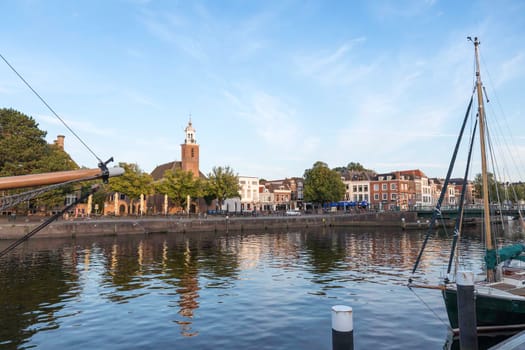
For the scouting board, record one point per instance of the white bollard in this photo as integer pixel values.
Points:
(342, 328)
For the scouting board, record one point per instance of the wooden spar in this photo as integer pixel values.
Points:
(484, 173)
(424, 286)
(489, 329)
(12, 182)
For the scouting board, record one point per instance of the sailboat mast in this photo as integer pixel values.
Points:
(484, 173)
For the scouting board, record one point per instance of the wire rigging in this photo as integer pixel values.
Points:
(47, 222)
(51, 109)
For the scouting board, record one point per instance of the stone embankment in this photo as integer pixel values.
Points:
(104, 226)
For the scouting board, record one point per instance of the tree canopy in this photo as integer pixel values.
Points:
(24, 150)
(178, 185)
(133, 182)
(223, 183)
(511, 192)
(353, 167)
(322, 184)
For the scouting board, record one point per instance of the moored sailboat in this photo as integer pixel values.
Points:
(500, 292)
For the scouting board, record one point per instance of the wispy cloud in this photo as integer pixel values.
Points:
(273, 118)
(140, 99)
(275, 122)
(511, 69)
(336, 67)
(173, 29)
(79, 127)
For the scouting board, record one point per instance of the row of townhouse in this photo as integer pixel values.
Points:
(398, 190)
(275, 195)
(402, 190)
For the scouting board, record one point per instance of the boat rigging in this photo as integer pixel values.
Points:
(51, 180)
(500, 294)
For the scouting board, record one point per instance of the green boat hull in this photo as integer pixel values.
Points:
(490, 310)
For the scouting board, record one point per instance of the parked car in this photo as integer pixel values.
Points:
(293, 212)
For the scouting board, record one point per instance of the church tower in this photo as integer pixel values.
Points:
(190, 151)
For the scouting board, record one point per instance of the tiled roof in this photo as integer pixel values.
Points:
(158, 172)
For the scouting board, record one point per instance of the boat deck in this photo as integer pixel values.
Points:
(514, 282)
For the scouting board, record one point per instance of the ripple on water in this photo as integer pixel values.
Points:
(240, 291)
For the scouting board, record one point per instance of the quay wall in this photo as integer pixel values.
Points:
(144, 225)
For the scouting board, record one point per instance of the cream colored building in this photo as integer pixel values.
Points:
(357, 190)
(249, 192)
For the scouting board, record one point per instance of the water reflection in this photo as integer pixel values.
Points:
(200, 281)
(34, 287)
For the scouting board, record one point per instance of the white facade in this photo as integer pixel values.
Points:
(357, 190)
(249, 192)
(423, 192)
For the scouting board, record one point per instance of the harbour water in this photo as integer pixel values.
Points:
(271, 290)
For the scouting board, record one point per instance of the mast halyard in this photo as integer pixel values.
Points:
(484, 173)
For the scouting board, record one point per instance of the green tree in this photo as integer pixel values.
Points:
(519, 189)
(356, 167)
(322, 185)
(207, 193)
(223, 183)
(178, 185)
(132, 183)
(24, 150)
(493, 191)
(56, 159)
(22, 144)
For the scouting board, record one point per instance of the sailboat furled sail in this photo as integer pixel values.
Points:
(500, 293)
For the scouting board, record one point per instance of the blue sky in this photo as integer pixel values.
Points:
(272, 86)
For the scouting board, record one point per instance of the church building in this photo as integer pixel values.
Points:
(119, 204)
(189, 156)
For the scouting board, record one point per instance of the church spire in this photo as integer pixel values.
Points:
(190, 151)
(190, 133)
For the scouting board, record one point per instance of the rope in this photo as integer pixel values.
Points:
(51, 109)
(430, 309)
(47, 222)
(15, 199)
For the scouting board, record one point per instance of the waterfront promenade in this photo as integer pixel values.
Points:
(104, 226)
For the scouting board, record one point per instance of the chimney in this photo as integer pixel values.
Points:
(60, 141)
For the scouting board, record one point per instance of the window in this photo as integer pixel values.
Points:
(393, 186)
(376, 187)
(385, 196)
(354, 188)
(192, 153)
(376, 196)
(360, 188)
(393, 196)
(365, 188)
(385, 187)
(70, 198)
